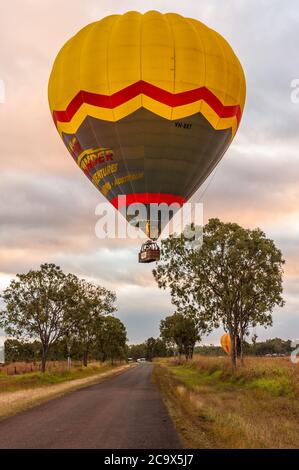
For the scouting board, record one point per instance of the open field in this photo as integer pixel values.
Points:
(19, 392)
(256, 407)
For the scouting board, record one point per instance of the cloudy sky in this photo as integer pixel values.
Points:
(47, 206)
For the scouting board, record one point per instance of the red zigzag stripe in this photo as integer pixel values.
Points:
(152, 91)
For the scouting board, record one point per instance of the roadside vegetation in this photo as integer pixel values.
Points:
(50, 314)
(214, 406)
(58, 374)
(233, 280)
(61, 335)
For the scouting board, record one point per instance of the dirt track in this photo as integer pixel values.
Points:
(124, 412)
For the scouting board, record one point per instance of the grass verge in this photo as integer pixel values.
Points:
(21, 392)
(257, 407)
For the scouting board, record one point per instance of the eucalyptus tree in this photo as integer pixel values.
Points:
(85, 319)
(181, 330)
(233, 279)
(36, 306)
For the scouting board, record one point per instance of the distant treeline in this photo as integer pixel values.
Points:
(149, 349)
(19, 351)
(157, 348)
(270, 346)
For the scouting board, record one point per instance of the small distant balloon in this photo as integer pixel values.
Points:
(225, 342)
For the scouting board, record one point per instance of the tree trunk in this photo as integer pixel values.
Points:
(241, 348)
(180, 351)
(233, 351)
(69, 361)
(85, 358)
(44, 360)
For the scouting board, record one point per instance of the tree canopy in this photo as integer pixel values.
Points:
(233, 279)
(182, 331)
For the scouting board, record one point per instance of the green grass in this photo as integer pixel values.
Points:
(256, 406)
(277, 387)
(277, 383)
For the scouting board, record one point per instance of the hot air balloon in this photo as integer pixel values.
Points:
(147, 105)
(225, 342)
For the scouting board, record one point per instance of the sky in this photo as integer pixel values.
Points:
(47, 205)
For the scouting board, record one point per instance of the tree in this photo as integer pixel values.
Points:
(160, 349)
(181, 330)
(36, 304)
(155, 348)
(84, 321)
(137, 351)
(275, 346)
(111, 338)
(20, 351)
(235, 278)
(151, 348)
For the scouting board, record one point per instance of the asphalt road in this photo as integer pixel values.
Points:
(124, 412)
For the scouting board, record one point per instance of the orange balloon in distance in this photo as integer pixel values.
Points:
(147, 105)
(225, 342)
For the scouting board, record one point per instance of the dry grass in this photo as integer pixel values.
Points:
(32, 389)
(16, 368)
(56, 373)
(256, 407)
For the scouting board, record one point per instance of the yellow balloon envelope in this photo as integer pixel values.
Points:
(225, 342)
(147, 105)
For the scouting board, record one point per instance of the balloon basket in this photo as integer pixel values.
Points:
(149, 252)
